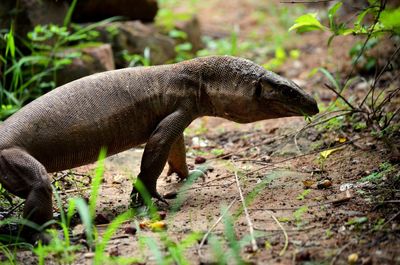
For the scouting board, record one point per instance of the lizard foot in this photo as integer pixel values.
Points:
(138, 201)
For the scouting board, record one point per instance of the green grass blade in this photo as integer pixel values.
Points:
(71, 9)
(111, 229)
(96, 182)
(86, 219)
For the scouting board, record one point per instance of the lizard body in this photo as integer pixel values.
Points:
(120, 109)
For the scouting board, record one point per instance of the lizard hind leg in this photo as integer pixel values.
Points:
(177, 159)
(24, 176)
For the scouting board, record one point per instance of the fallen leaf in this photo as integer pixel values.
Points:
(308, 183)
(154, 226)
(158, 225)
(326, 153)
(352, 258)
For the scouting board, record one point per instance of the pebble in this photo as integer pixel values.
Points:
(323, 184)
(200, 160)
(131, 230)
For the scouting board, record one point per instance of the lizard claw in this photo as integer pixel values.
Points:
(138, 201)
(160, 198)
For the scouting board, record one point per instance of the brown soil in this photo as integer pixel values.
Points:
(265, 152)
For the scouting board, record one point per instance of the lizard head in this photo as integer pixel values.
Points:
(250, 93)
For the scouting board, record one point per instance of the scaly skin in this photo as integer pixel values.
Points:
(120, 109)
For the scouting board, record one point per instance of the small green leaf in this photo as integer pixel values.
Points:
(357, 220)
(330, 77)
(391, 19)
(10, 44)
(217, 152)
(331, 14)
(177, 34)
(186, 46)
(307, 22)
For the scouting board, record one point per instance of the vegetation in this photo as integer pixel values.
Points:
(30, 64)
(29, 67)
(372, 109)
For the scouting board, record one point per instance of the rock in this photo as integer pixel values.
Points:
(30, 13)
(96, 10)
(101, 219)
(192, 28)
(130, 229)
(134, 37)
(95, 58)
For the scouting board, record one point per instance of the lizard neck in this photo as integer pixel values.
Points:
(194, 83)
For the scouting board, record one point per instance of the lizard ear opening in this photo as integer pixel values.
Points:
(258, 89)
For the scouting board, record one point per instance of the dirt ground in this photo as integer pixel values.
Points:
(329, 216)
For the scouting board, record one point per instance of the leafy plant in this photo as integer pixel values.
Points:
(137, 59)
(385, 20)
(372, 110)
(383, 170)
(29, 65)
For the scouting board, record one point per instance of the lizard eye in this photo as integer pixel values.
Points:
(258, 89)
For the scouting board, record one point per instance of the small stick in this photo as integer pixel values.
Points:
(340, 96)
(336, 201)
(391, 219)
(250, 224)
(284, 233)
(213, 226)
(340, 252)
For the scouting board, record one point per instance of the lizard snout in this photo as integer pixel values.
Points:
(310, 107)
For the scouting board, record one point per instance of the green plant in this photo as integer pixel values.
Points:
(357, 222)
(298, 215)
(376, 177)
(303, 195)
(373, 108)
(169, 251)
(379, 224)
(60, 249)
(29, 65)
(183, 48)
(137, 59)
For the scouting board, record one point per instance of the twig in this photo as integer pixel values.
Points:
(265, 142)
(212, 227)
(336, 201)
(391, 219)
(249, 223)
(381, 8)
(296, 230)
(284, 233)
(378, 76)
(303, 155)
(340, 252)
(313, 124)
(340, 96)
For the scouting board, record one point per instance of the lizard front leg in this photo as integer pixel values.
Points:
(177, 159)
(157, 151)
